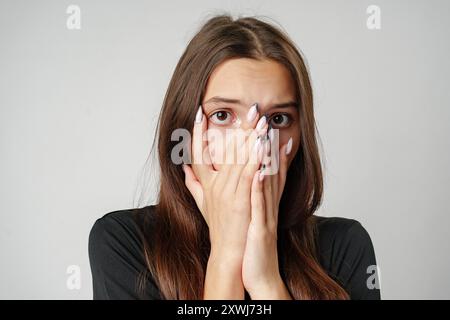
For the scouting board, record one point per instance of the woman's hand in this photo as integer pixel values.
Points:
(260, 270)
(223, 198)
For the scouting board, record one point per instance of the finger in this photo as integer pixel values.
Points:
(201, 163)
(273, 166)
(249, 160)
(258, 126)
(194, 186)
(266, 160)
(268, 197)
(229, 155)
(244, 150)
(254, 142)
(283, 156)
(252, 155)
(267, 178)
(273, 135)
(267, 152)
(257, 201)
(256, 145)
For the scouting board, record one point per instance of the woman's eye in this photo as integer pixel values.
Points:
(281, 120)
(221, 118)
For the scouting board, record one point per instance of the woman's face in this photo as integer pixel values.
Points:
(234, 86)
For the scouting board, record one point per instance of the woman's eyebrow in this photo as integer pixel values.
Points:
(287, 104)
(222, 99)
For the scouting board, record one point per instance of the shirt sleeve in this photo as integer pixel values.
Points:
(116, 259)
(353, 263)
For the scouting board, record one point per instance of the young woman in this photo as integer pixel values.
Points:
(235, 229)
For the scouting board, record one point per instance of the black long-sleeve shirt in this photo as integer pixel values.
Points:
(117, 260)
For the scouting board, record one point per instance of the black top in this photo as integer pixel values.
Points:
(117, 260)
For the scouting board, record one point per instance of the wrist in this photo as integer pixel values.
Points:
(223, 278)
(226, 255)
(231, 264)
(273, 289)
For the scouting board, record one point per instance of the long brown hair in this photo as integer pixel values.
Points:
(177, 246)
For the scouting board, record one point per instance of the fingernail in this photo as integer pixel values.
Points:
(199, 115)
(261, 175)
(271, 133)
(261, 123)
(267, 146)
(252, 112)
(289, 146)
(257, 145)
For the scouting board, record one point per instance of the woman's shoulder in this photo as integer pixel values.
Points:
(338, 233)
(339, 227)
(346, 251)
(124, 218)
(121, 229)
(116, 248)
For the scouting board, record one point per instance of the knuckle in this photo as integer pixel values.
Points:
(265, 234)
(247, 175)
(240, 207)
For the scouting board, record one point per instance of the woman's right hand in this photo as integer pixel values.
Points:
(223, 196)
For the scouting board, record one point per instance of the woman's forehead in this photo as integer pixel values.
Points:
(245, 81)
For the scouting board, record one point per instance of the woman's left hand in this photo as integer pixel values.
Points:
(260, 270)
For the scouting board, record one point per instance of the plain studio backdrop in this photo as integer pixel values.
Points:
(78, 110)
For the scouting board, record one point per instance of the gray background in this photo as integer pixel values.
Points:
(78, 111)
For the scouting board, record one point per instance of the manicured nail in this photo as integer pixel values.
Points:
(261, 123)
(261, 175)
(252, 112)
(199, 115)
(289, 146)
(257, 145)
(267, 146)
(271, 133)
